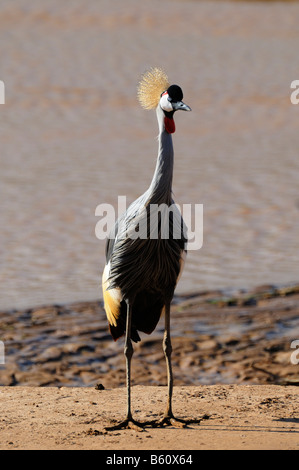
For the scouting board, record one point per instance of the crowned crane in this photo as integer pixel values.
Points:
(141, 272)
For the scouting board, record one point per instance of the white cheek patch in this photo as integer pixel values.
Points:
(164, 103)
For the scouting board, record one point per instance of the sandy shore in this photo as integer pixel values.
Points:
(240, 343)
(240, 417)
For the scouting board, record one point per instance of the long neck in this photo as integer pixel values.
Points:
(160, 188)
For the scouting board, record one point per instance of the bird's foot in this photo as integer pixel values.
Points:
(170, 420)
(128, 423)
(167, 420)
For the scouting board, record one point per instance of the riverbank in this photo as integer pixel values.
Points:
(63, 378)
(241, 339)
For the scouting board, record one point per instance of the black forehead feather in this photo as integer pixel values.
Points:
(175, 93)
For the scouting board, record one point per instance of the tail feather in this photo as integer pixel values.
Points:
(146, 312)
(119, 330)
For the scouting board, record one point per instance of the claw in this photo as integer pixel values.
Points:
(177, 422)
(127, 424)
(168, 420)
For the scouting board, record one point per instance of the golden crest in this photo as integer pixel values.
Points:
(150, 87)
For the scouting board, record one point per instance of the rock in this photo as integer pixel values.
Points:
(208, 344)
(53, 353)
(43, 315)
(99, 386)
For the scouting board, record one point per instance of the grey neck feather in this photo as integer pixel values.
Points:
(160, 188)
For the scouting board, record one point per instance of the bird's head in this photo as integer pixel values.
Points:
(171, 101)
(155, 90)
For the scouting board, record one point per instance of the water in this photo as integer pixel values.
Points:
(73, 136)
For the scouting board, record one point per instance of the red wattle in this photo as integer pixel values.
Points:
(169, 125)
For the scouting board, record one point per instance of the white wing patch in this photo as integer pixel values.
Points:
(112, 298)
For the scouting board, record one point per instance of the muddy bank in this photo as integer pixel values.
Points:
(217, 339)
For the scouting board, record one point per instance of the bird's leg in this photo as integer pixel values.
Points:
(167, 348)
(129, 422)
(128, 351)
(169, 418)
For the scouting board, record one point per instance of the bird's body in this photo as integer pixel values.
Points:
(144, 270)
(145, 251)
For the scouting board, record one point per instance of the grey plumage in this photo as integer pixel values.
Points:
(144, 253)
(143, 265)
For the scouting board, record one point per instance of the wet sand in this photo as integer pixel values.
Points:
(217, 339)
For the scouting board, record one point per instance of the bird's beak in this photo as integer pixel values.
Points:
(180, 105)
